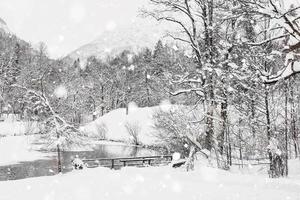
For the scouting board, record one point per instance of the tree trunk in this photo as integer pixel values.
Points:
(252, 116)
(286, 130)
(191, 159)
(268, 123)
(127, 109)
(102, 100)
(59, 169)
(240, 142)
(209, 131)
(293, 122)
(224, 113)
(147, 89)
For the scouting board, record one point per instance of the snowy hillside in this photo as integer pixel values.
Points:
(139, 35)
(116, 120)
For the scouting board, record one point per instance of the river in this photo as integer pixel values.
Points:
(48, 165)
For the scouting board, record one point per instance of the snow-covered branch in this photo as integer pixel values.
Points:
(198, 91)
(291, 69)
(59, 123)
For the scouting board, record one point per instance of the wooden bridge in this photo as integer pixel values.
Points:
(117, 163)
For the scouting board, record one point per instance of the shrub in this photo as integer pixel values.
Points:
(133, 130)
(101, 130)
(29, 127)
(178, 129)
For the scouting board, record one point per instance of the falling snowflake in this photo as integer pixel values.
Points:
(131, 68)
(61, 92)
(111, 25)
(176, 156)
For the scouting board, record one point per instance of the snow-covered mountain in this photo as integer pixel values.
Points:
(3, 26)
(138, 35)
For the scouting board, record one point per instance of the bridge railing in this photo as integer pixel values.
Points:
(115, 163)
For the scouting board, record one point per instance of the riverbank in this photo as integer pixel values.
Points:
(27, 156)
(16, 149)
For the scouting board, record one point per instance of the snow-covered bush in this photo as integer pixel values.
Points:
(101, 130)
(59, 133)
(133, 129)
(178, 129)
(30, 127)
(77, 163)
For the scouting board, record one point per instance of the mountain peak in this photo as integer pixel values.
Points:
(3, 26)
(134, 37)
(2, 22)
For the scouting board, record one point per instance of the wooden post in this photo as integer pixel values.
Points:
(58, 154)
(112, 163)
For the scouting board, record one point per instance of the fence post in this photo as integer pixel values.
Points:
(112, 163)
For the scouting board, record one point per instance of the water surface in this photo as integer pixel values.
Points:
(48, 166)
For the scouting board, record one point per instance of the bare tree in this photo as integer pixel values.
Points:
(195, 20)
(285, 25)
(134, 130)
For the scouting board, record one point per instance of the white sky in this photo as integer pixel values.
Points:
(64, 25)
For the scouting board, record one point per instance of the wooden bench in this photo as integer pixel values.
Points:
(144, 160)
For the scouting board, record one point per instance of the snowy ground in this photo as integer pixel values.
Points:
(152, 183)
(15, 149)
(143, 183)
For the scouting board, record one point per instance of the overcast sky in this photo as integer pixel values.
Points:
(64, 25)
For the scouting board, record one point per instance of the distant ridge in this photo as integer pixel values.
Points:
(2, 21)
(138, 35)
(4, 27)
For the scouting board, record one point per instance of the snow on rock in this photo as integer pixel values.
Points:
(151, 183)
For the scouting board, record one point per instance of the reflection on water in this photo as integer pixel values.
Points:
(48, 166)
